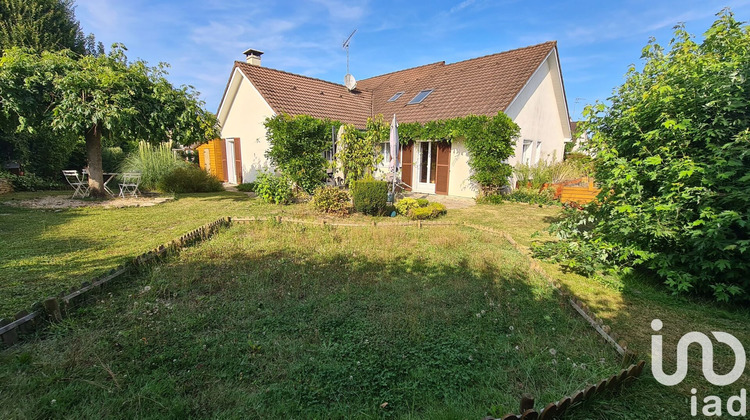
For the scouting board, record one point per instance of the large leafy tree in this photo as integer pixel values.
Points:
(673, 160)
(42, 25)
(94, 96)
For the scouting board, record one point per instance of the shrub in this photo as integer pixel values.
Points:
(672, 157)
(491, 199)
(189, 179)
(531, 196)
(422, 202)
(404, 205)
(274, 189)
(152, 162)
(112, 158)
(332, 200)
(430, 211)
(246, 187)
(30, 182)
(370, 196)
(297, 144)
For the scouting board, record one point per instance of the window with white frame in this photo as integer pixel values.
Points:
(526, 152)
(538, 152)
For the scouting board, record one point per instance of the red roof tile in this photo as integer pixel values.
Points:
(294, 94)
(480, 86)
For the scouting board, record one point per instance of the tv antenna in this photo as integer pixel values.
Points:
(346, 47)
(349, 80)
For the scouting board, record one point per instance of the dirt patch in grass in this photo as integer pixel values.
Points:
(58, 202)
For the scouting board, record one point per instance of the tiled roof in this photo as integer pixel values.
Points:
(480, 86)
(294, 94)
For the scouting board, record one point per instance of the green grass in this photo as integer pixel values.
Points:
(44, 251)
(278, 321)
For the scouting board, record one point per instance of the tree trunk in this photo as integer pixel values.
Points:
(94, 152)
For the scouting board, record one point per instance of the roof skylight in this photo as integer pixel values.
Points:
(420, 97)
(395, 96)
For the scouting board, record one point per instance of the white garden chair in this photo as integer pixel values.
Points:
(79, 183)
(129, 184)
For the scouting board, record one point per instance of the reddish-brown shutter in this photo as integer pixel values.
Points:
(407, 162)
(443, 167)
(238, 160)
(224, 159)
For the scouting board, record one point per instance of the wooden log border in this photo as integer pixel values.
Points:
(558, 408)
(55, 308)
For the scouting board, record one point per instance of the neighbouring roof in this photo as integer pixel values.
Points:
(480, 86)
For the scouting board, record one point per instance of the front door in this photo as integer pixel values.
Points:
(231, 173)
(427, 169)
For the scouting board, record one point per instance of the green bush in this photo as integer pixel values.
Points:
(152, 162)
(491, 199)
(246, 187)
(404, 205)
(531, 196)
(422, 202)
(672, 156)
(189, 179)
(296, 147)
(332, 200)
(274, 189)
(31, 182)
(112, 158)
(370, 196)
(430, 211)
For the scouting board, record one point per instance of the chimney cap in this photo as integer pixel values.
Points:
(253, 51)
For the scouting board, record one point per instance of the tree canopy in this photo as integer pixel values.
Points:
(43, 25)
(673, 161)
(92, 96)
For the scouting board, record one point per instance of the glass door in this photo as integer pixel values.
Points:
(231, 174)
(427, 167)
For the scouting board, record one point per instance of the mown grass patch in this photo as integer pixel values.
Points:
(270, 321)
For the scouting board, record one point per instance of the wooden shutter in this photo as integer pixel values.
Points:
(238, 160)
(224, 165)
(443, 167)
(407, 162)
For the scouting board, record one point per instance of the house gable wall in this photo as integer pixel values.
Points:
(241, 115)
(541, 113)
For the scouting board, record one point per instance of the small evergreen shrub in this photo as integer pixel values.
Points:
(404, 205)
(370, 196)
(246, 187)
(438, 209)
(332, 200)
(274, 189)
(189, 179)
(430, 211)
(422, 202)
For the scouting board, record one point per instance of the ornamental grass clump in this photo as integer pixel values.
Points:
(153, 163)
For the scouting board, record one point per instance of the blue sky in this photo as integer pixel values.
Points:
(597, 40)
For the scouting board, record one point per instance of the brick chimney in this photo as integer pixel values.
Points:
(253, 56)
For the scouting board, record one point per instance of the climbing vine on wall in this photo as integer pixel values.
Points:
(489, 140)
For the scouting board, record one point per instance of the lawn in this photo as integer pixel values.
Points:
(272, 321)
(44, 251)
